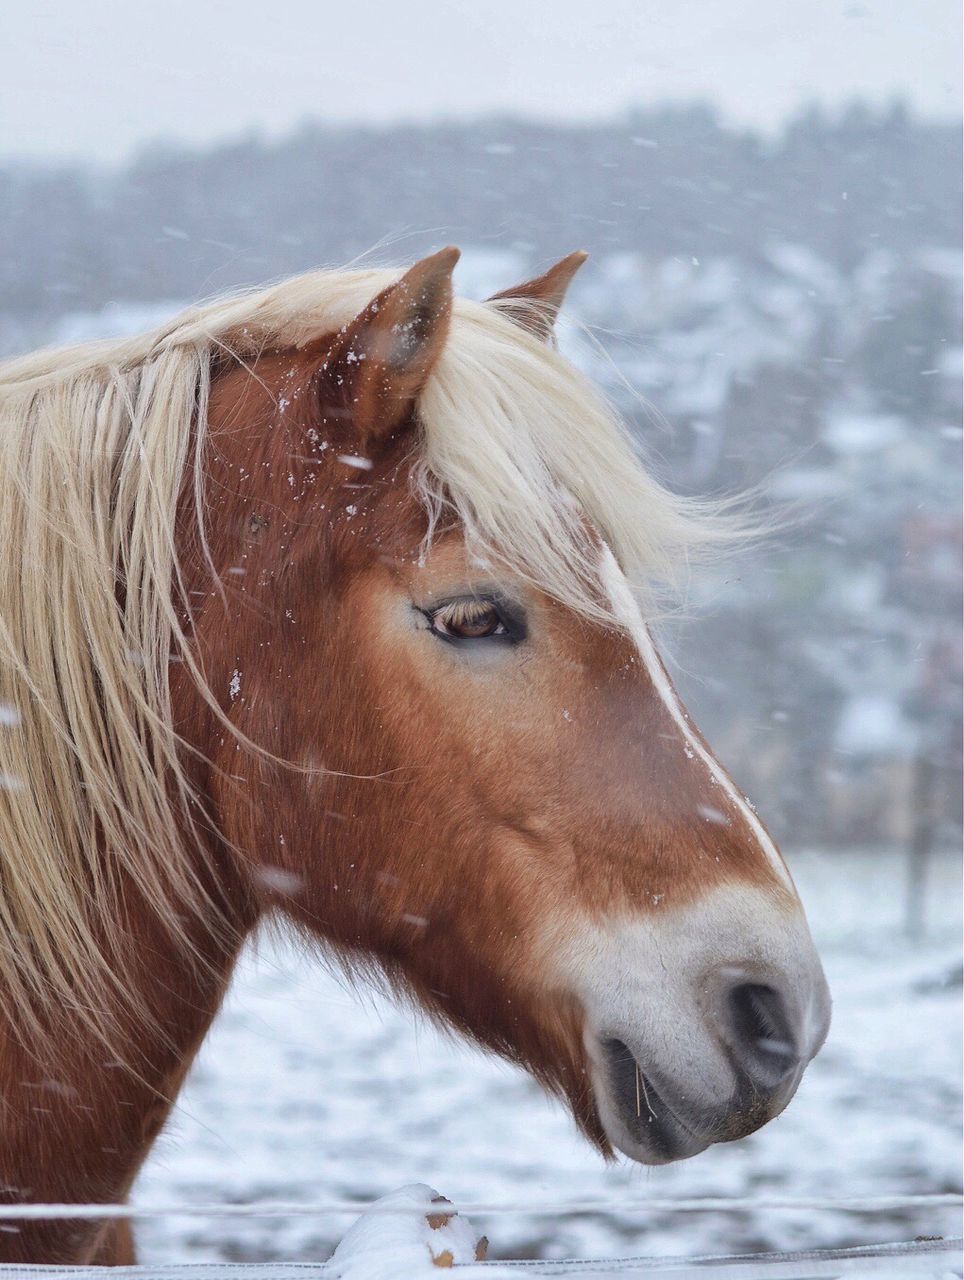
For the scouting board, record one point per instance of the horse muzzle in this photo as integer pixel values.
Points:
(695, 1038)
(657, 1118)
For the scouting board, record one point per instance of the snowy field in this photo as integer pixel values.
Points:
(306, 1091)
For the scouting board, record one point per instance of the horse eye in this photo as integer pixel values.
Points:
(467, 620)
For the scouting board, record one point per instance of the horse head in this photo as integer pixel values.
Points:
(473, 772)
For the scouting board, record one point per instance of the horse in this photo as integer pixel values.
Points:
(331, 603)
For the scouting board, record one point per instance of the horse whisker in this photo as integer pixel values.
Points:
(641, 1085)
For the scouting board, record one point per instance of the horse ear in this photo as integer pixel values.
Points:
(381, 361)
(537, 301)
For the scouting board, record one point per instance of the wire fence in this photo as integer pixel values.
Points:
(555, 1208)
(936, 1259)
(924, 1257)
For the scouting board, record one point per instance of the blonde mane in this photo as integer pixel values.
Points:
(95, 441)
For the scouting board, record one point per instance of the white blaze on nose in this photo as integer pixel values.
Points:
(626, 611)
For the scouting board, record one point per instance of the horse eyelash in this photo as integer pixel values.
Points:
(458, 612)
(464, 608)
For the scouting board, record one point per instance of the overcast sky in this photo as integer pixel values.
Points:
(99, 77)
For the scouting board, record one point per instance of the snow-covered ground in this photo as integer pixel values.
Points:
(306, 1091)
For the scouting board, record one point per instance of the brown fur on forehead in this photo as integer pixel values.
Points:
(279, 453)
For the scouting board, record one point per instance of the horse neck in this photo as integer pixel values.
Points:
(76, 1127)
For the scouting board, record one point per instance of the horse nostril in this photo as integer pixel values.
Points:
(762, 1036)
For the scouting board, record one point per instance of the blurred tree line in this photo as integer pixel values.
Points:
(180, 223)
